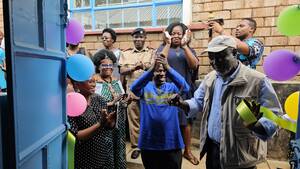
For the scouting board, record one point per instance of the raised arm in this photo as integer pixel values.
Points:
(190, 55)
(254, 51)
(176, 78)
(250, 51)
(167, 39)
(141, 82)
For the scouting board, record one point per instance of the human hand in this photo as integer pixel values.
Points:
(103, 114)
(175, 100)
(107, 120)
(215, 27)
(125, 100)
(117, 98)
(147, 65)
(255, 109)
(186, 38)
(161, 59)
(139, 65)
(111, 120)
(167, 37)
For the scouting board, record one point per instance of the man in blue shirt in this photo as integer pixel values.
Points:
(227, 142)
(249, 49)
(160, 138)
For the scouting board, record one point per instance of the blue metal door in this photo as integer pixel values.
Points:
(33, 129)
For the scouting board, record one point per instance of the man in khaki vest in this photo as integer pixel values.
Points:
(227, 142)
(133, 63)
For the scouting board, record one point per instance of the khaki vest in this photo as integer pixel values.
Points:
(239, 147)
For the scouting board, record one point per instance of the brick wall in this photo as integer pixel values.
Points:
(93, 42)
(264, 12)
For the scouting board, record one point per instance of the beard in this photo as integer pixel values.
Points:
(226, 69)
(242, 37)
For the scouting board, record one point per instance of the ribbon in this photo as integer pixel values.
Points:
(248, 116)
(245, 113)
(71, 147)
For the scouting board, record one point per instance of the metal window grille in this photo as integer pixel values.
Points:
(99, 14)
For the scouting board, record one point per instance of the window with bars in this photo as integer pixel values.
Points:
(100, 14)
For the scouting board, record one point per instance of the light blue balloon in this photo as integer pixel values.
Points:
(80, 67)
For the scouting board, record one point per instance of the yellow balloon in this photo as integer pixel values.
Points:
(291, 105)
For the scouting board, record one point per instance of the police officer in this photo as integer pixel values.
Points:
(133, 63)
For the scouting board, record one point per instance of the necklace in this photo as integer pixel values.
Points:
(177, 52)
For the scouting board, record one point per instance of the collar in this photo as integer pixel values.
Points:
(145, 49)
(240, 77)
(237, 77)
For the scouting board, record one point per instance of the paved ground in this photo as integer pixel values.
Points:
(137, 163)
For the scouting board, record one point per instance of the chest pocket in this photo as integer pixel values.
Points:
(239, 98)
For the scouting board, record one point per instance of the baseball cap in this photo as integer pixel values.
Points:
(220, 43)
(138, 30)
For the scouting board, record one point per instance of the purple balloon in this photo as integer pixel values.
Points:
(74, 32)
(281, 65)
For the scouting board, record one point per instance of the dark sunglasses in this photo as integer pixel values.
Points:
(106, 66)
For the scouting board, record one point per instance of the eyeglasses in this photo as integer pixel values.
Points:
(107, 66)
